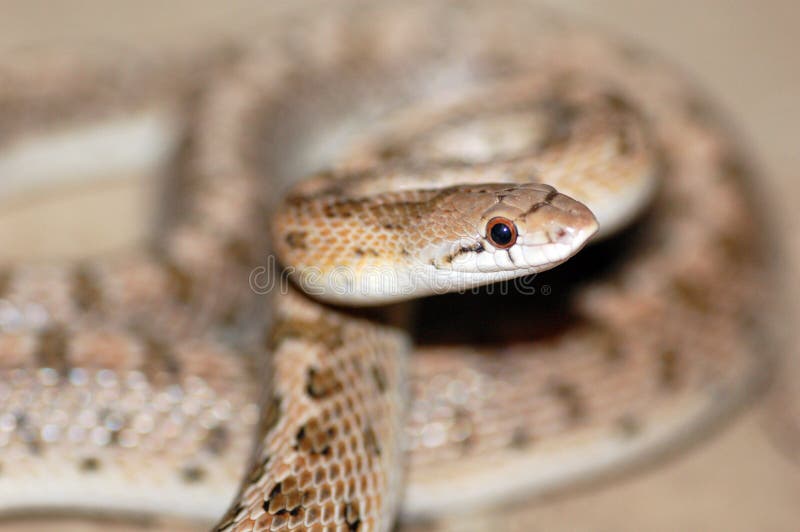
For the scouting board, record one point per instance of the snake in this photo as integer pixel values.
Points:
(415, 168)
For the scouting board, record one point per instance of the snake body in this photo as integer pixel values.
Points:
(136, 382)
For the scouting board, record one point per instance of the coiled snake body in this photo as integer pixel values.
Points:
(435, 133)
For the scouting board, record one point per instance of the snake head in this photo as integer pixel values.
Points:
(507, 231)
(405, 244)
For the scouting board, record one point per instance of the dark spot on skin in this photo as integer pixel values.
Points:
(193, 474)
(463, 429)
(477, 248)
(619, 103)
(371, 441)
(360, 252)
(230, 316)
(607, 341)
(158, 359)
(352, 516)
(85, 290)
(275, 490)
(692, 294)
(312, 438)
(114, 422)
(322, 384)
(389, 226)
(297, 239)
(216, 440)
(180, 282)
(568, 394)
(699, 109)
(341, 209)
(732, 166)
(239, 251)
(379, 377)
(390, 152)
(28, 433)
(629, 426)
(34, 445)
(624, 142)
(734, 246)
(668, 368)
(51, 351)
(89, 464)
(520, 438)
(285, 498)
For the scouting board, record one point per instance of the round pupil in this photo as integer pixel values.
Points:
(501, 233)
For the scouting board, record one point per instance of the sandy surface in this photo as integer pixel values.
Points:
(744, 53)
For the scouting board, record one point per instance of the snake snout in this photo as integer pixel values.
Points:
(562, 221)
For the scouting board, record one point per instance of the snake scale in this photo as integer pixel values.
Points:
(451, 145)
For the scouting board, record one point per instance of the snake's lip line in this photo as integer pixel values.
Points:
(273, 278)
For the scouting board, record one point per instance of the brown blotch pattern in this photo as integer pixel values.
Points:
(379, 377)
(352, 516)
(371, 443)
(360, 252)
(86, 291)
(180, 282)
(297, 239)
(568, 394)
(521, 438)
(158, 359)
(216, 440)
(692, 294)
(52, 348)
(193, 474)
(285, 503)
(322, 384)
(89, 464)
(314, 438)
(239, 251)
(668, 368)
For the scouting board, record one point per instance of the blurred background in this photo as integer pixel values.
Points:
(744, 53)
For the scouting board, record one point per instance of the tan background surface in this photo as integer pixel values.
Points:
(745, 54)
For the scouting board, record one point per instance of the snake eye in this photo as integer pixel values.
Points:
(501, 232)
